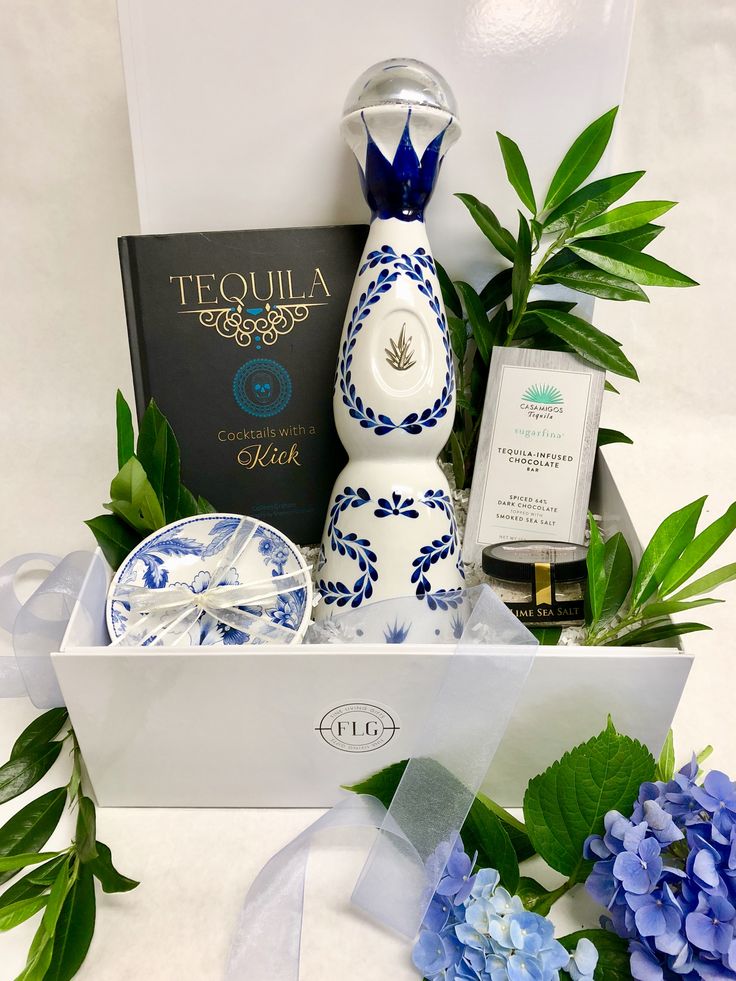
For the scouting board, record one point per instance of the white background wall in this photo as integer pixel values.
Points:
(67, 191)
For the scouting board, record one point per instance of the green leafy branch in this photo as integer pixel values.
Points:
(575, 239)
(562, 807)
(60, 884)
(624, 609)
(147, 492)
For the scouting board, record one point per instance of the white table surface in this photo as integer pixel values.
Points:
(66, 189)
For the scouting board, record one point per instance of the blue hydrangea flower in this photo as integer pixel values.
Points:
(583, 961)
(667, 875)
(717, 796)
(457, 880)
(474, 930)
(432, 953)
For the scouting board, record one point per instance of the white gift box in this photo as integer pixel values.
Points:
(286, 726)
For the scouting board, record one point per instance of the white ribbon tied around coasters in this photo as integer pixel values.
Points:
(165, 616)
(38, 625)
(464, 726)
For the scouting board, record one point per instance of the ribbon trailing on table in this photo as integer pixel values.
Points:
(464, 726)
(158, 616)
(38, 625)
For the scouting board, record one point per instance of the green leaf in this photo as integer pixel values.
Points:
(40, 732)
(23, 772)
(514, 828)
(613, 955)
(595, 282)
(521, 272)
(499, 326)
(531, 892)
(639, 267)
(477, 318)
(204, 506)
(39, 957)
(654, 633)
(666, 764)
(581, 159)
(116, 539)
(11, 863)
(516, 171)
(666, 546)
(45, 874)
(590, 200)
(668, 608)
(458, 463)
(74, 929)
(566, 803)
(124, 426)
(24, 909)
(618, 571)
(700, 549)
(492, 842)
(547, 636)
(500, 238)
(608, 387)
(589, 342)
(383, 784)
(103, 869)
(187, 505)
(31, 827)
(134, 498)
(41, 949)
(596, 581)
(449, 294)
(86, 833)
(623, 219)
(458, 336)
(60, 887)
(34, 883)
(496, 290)
(708, 582)
(608, 436)
(22, 889)
(637, 238)
(531, 324)
(158, 452)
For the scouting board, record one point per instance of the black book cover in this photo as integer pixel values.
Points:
(235, 335)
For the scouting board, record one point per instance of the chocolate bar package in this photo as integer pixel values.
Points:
(235, 335)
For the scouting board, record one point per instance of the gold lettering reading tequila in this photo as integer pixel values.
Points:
(279, 285)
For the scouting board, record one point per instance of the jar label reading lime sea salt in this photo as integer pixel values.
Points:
(536, 449)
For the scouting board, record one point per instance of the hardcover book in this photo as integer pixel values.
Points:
(235, 335)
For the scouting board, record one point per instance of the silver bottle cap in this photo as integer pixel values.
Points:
(402, 81)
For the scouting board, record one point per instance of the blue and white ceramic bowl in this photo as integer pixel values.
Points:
(187, 553)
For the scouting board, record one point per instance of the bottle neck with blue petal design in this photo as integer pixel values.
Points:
(399, 150)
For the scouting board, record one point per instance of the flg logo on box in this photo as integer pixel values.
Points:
(357, 727)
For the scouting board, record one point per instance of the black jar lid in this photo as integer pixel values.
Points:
(515, 561)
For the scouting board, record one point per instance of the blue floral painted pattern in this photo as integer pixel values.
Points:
(155, 574)
(414, 267)
(397, 506)
(439, 548)
(396, 633)
(358, 549)
(286, 609)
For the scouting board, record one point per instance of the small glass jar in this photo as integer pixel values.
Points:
(542, 583)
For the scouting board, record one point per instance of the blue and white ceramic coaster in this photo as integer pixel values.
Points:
(210, 580)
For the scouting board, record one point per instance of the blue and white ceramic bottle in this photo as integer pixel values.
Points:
(391, 528)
